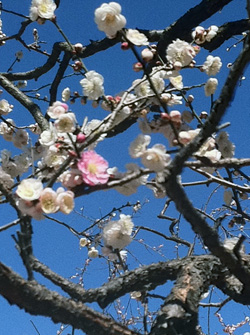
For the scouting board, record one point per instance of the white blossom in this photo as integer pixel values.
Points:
(180, 51)
(93, 252)
(212, 32)
(66, 123)
(5, 179)
(225, 146)
(117, 234)
(142, 87)
(54, 157)
(212, 65)
(65, 201)
(49, 136)
(57, 109)
(135, 37)
(171, 99)
(109, 19)
(21, 138)
(92, 85)
(42, 9)
(66, 94)
(5, 107)
(210, 86)
(29, 189)
(48, 201)
(139, 145)
(155, 158)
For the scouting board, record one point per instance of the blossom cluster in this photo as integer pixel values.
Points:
(34, 200)
(156, 93)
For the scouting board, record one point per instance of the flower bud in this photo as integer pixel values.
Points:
(137, 67)
(147, 55)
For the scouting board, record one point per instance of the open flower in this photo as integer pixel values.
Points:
(210, 86)
(181, 52)
(66, 123)
(154, 158)
(137, 38)
(57, 109)
(48, 201)
(42, 9)
(117, 234)
(5, 107)
(92, 85)
(29, 189)
(109, 19)
(212, 65)
(65, 201)
(93, 168)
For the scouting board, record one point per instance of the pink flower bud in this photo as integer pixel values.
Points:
(147, 55)
(137, 67)
(80, 138)
(175, 116)
(165, 116)
(125, 46)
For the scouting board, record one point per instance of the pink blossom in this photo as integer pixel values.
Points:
(93, 168)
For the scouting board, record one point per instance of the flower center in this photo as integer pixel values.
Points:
(110, 18)
(92, 168)
(43, 8)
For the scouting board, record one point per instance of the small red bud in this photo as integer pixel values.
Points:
(125, 46)
(80, 138)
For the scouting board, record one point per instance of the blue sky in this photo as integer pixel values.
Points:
(53, 244)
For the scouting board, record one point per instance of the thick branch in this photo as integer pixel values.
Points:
(25, 101)
(37, 300)
(189, 20)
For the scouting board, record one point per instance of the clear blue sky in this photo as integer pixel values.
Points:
(53, 244)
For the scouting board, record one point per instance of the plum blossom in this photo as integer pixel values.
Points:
(5, 179)
(5, 107)
(225, 146)
(42, 9)
(176, 81)
(93, 168)
(210, 86)
(180, 53)
(66, 94)
(135, 37)
(117, 234)
(65, 200)
(48, 137)
(7, 129)
(83, 242)
(21, 138)
(212, 65)
(71, 179)
(109, 19)
(201, 35)
(171, 99)
(54, 157)
(29, 208)
(92, 85)
(57, 109)
(130, 187)
(211, 32)
(93, 252)
(142, 87)
(139, 145)
(154, 158)
(66, 123)
(48, 201)
(29, 189)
